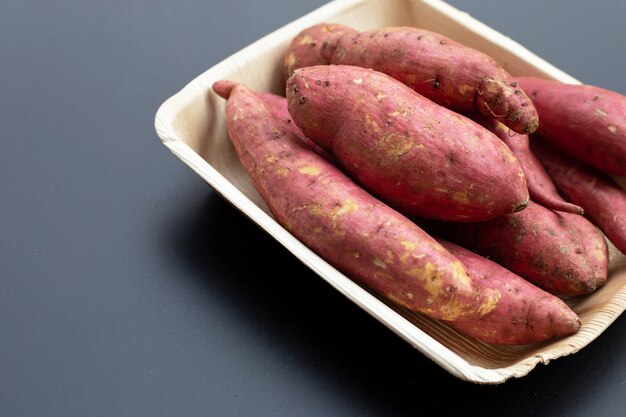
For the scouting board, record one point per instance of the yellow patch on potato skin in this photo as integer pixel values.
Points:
(404, 258)
(291, 60)
(612, 129)
(379, 263)
(346, 207)
(372, 124)
(466, 89)
(309, 170)
(282, 171)
(600, 112)
(401, 112)
(510, 157)
(394, 144)
(460, 276)
(441, 292)
(306, 40)
(460, 197)
(389, 258)
(316, 209)
(491, 303)
(408, 245)
(431, 277)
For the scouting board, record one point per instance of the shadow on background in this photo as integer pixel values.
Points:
(332, 339)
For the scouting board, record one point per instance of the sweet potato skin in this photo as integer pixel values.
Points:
(525, 313)
(538, 244)
(586, 122)
(277, 105)
(366, 239)
(540, 186)
(602, 198)
(419, 157)
(447, 72)
(305, 48)
(594, 245)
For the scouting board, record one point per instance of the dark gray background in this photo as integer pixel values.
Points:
(129, 288)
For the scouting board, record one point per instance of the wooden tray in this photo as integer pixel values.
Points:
(191, 124)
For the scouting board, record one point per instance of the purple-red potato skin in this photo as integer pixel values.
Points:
(602, 198)
(277, 105)
(594, 244)
(451, 74)
(538, 244)
(305, 48)
(540, 187)
(337, 219)
(420, 158)
(524, 314)
(584, 121)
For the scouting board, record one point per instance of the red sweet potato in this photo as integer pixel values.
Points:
(602, 198)
(419, 157)
(305, 49)
(538, 244)
(525, 313)
(364, 238)
(450, 74)
(586, 122)
(540, 186)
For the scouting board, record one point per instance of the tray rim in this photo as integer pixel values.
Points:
(420, 340)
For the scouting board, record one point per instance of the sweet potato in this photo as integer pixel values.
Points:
(585, 121)
(305, 50)
(364, 238)
(525, 313)
(450, 74)
(540, 186)
(602, 198)
(419, 157)
(538, 244)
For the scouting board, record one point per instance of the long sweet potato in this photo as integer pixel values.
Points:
(447, 72)
(366, 239)
(602, 198)
(585, 121)
(540, 186)
(417, 156)
(538, 244)
(525, 313)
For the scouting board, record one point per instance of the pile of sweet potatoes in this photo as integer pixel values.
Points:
(427, 173)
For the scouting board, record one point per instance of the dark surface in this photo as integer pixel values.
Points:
(129, 288)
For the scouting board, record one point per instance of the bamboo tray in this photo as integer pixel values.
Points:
(191, 124)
